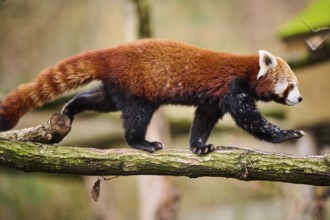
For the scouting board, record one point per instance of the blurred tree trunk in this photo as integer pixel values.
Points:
(157, 194)
(311, 199)
(104, 208)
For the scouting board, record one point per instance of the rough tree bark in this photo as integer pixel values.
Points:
(50, 132)
(230, 162)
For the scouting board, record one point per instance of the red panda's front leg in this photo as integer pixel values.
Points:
(241, 105)
(205, 119)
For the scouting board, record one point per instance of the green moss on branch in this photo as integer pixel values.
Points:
(229, 162)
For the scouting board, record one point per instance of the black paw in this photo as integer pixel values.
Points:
(289, 135)
(150, 147)
(202, 150)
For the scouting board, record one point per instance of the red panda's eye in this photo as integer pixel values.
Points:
(291, 86)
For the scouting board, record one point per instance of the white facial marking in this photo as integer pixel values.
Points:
(293, 96)
(280, 87)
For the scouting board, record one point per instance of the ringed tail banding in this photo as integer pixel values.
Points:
(49, 84)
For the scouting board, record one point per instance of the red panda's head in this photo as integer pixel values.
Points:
(276, 81)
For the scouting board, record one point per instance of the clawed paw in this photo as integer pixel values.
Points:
(295, 134)
(157, 145)
(150, 147)
(289, 135)
(203, 150)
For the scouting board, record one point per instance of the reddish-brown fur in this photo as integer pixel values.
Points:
(169, 68)
(154, 69)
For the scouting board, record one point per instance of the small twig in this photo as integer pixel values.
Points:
(245, 173)
(245, 155)
(96, 189)
(110, 178)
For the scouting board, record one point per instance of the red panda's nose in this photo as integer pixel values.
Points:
(299, 99)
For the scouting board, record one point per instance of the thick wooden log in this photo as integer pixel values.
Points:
(230, 162)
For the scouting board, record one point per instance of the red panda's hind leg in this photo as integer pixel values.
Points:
(136, 114)
(96, 99)
(205, 119)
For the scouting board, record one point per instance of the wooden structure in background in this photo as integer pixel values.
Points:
(307, 36)
(307, 39)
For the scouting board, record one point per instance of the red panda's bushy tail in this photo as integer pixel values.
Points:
(49, 84)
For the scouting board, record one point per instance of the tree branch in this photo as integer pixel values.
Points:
(229, 162)
(50, 132)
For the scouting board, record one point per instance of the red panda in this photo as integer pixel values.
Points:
(139, 77)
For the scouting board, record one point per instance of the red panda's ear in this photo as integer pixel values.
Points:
(267, 61)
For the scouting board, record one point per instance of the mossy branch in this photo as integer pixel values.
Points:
(229, 162)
